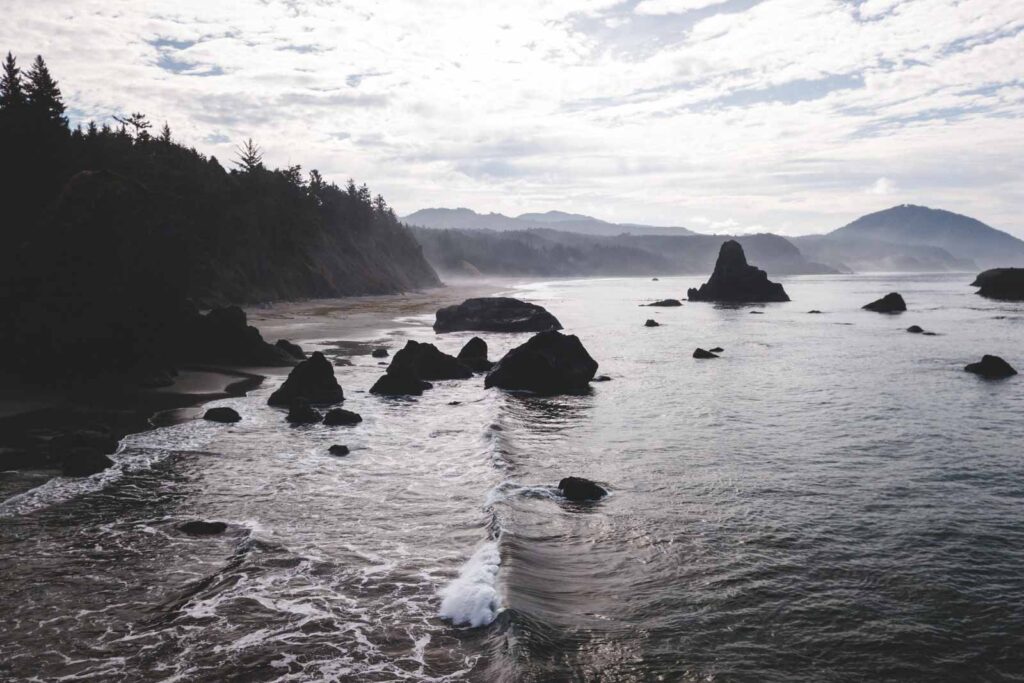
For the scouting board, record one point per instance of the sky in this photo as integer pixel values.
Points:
(790, 116)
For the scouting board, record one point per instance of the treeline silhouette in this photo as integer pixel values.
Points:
(109, 231)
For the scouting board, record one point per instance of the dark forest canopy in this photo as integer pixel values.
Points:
(102, 223)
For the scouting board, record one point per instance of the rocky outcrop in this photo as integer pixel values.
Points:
(735, 281)
(549, 363)
(474, 355)
(579, 490)
(652, 323)
(202, 528)
(991, 367)
(703, 354)
(301, 413)
(222, 414)
(338, 450)
(84, 461)
(1001, 283)
(413, 365)
(495, 314)
(293, 350)
(667, 303)
(890, 303)
(312, 380)
(339, 417)
(223, 335)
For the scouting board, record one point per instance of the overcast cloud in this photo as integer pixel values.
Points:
(743, 115)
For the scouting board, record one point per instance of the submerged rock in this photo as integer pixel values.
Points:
(735, 281)
(890, 303)
(667, 303)
(222, 414)
(474, 355)
(814, 311)
(338, 450)
(339, 417)
(991, 367)
(203, 528)
(312, 381)
(84, 461)
(549, 363)
(602, 378)
(652, 323)
(495, 314)
(301, 413)
(703, 354)
(293, 350)
(380, 352)
(580, 490)
(1001, 283)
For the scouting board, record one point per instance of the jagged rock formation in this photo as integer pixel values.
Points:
(413, 365)
(549, 363)
(735, 281)
(474, 355)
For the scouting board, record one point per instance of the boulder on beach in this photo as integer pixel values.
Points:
(890, 303)
(338, 450)
(580, 490)
(735, 281)
(222, 414)
(312, 381)
(1001, 283)
(202, 528)
(652, 323)
(293, 350)
(84, 461)
(991, 367)
(474, 355)
(301, 413)
(666, 303)
(703, 354)
(339, 417)
(915, 329)
(495, 314)
(549, 363)
(379, 352)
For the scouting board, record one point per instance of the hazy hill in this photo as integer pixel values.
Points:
(467, 219)
(912, 237)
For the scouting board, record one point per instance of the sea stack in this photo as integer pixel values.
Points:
(736, 281)
(1001, 283)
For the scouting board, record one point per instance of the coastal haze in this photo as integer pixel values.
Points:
(607, 340)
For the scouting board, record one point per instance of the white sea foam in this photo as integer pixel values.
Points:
(472, 598)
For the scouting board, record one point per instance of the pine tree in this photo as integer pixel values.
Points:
(165, 133)
(250, 156)
(12, 92)
(43, 95)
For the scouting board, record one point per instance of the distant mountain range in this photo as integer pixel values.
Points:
(904, 238)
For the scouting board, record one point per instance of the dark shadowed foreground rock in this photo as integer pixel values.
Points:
(312, 380)
(203, 528)
(293, 350)
(579, 489)
(1001, 283)
(474, 355)
(338, 450)
(991, 367)
(224, 336)
(652, 323)
(426, 361)
(735, 281)
(549, 363)
(300, 413)
(890, 303)
(703, 354)
(223, 414)
(495, 314)
(667, 303)
(84, 461)
(339, 417)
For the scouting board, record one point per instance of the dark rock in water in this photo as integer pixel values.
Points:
(602, 378)
(224, 336)
(915, 329)
(549, 363)
(717, 349)
(735, 281)
(1001, 283)
(474, 355)
(312, 380)
(652, 323)
(814, 312)
(929, 334)
(455, 403)
(84, 461)
(757, 313)
(98, 438)
(201, 528)
(702, 354)
(495, 314)
(338, 450)
(222, 414)
(301, 413)
(426, 361)
(667, 303)
(293, 350)
(396, 385)
(343, 363)
(654, 279)
(380, 352)
(991, 367)
(580, 490)
(890, 303)
(339, 417)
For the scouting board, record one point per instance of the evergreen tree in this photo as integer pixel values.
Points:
(165, 133)
(43, 95)
(250, 156)
(12, 92)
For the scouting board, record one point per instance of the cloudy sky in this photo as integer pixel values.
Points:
(721, 115)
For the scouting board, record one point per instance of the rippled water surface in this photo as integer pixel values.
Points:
(832, 500)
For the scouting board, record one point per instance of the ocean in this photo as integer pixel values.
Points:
(833, 499)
